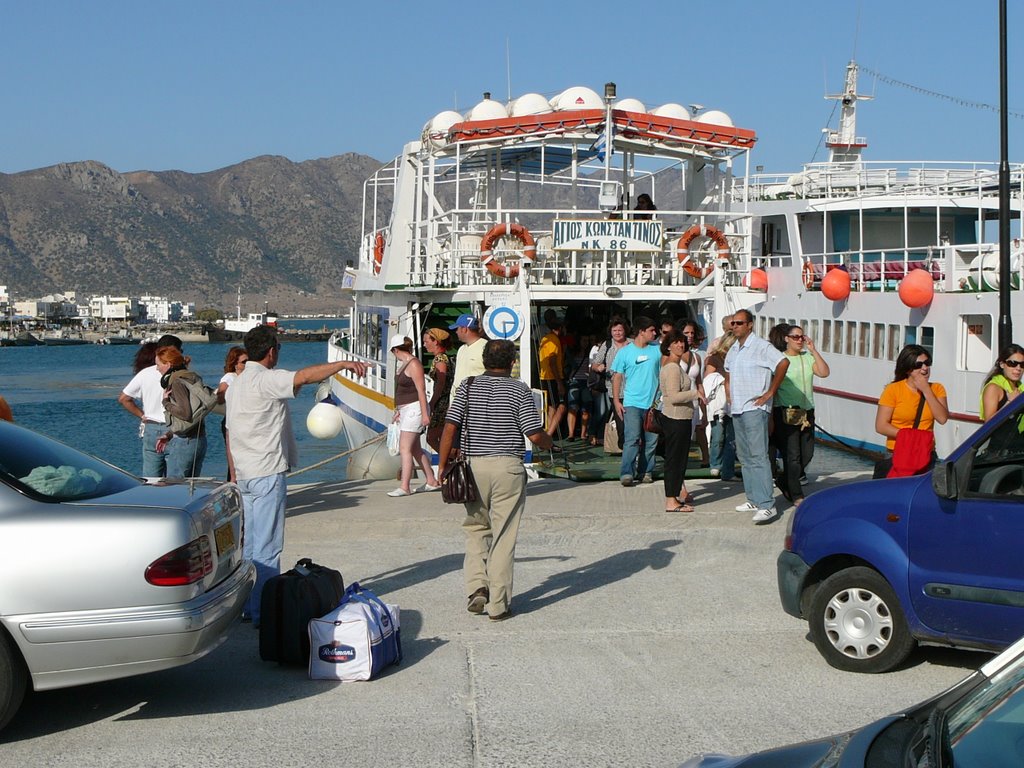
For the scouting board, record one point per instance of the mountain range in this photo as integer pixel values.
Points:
(268, 227)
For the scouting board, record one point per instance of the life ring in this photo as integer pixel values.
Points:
(378, 253)
(700, 271)
(807, 273)
(500, 268)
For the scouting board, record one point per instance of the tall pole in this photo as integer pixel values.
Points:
(1005, 323)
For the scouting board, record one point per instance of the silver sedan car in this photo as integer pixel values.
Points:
(104, 575)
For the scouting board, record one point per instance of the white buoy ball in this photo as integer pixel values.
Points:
(324, 421)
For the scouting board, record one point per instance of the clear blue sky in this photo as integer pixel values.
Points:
(197, 86)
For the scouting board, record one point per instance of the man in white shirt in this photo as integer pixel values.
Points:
(754, 369)
(263, 447)
(469, 360)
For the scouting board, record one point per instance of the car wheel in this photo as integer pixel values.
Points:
(857, 623)
(12, 680)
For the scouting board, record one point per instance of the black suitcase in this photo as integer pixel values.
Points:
(287, 604)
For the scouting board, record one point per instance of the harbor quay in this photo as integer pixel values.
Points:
(639, 638)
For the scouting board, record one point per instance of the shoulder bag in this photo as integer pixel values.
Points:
(914, 451)
(457, 483)
(598, 380)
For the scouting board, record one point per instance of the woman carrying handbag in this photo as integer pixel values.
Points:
(679, 397)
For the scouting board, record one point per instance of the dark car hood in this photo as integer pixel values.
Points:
(844, 749)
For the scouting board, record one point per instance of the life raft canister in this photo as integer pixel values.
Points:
(692, 267)
(378, 253)
(501, 268)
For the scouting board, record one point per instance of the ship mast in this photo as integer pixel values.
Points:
(844, 144)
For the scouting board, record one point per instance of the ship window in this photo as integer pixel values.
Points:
(851, 338)
(878, 345)
(837, 337)
(894, 342)
(826, 335)
(864, 340)
(909, 335)
(812, 329)
(928, 339)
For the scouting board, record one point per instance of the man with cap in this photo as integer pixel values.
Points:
(469, 361)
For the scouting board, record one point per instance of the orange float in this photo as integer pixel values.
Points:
(758, 280)
(836, 284)
(917, 289)
(692, 268)
(500, 268)
(378, 253)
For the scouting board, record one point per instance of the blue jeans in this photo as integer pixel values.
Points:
(264, 500)
(185, 456)
(751, 428)
(638, 446)
(723, 447)
(153, 464)
(599, 417)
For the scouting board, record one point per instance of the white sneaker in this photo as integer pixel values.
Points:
(715, 473)
(427, 488)
(746, 506)
(398, 492)
(763, 516)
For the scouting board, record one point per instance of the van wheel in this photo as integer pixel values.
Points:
(857, 623)
(12, 680)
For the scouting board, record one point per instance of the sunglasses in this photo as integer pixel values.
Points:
(739, 322)
(1013, 363)
(796, 337)
(918, 364)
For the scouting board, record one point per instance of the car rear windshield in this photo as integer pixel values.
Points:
(47, 469)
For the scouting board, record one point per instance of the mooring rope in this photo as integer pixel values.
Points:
(375, 439)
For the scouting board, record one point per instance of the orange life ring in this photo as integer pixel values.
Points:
(378, 253)
(807, 273)
(500, 268)
(700, 271)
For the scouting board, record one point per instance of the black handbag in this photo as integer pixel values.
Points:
(457, 483)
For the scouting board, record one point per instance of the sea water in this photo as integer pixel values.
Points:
(70, 393)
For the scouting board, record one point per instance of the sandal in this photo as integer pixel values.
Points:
(682, 508)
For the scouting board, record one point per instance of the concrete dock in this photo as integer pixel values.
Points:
(640, 638)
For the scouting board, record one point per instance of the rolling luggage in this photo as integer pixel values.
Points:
(287, 604)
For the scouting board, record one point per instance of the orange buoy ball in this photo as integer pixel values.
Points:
(836, 284)
(758, 280)
(917, 288)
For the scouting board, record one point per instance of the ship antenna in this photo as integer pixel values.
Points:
(508, 68)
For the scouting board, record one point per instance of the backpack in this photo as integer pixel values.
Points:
(201, 401)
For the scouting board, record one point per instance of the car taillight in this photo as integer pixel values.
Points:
(787, 543)
(185, 565)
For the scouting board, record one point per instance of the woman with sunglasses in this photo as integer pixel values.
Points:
(1003, 382)
(898, 405)
(793, 407)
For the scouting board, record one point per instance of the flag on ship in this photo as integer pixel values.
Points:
(603, 141)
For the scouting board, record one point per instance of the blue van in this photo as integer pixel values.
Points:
(876, 567)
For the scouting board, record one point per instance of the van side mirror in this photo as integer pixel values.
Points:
(944, 480)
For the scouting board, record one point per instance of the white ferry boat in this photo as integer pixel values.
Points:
(936, 222)
(513, 208)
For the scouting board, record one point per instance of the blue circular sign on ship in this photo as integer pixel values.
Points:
(503, 323)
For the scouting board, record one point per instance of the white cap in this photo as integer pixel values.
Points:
(398, 340)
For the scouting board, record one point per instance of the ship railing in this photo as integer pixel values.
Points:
(923, 178)
(446, 251)
(966, 267)
(340, 348)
